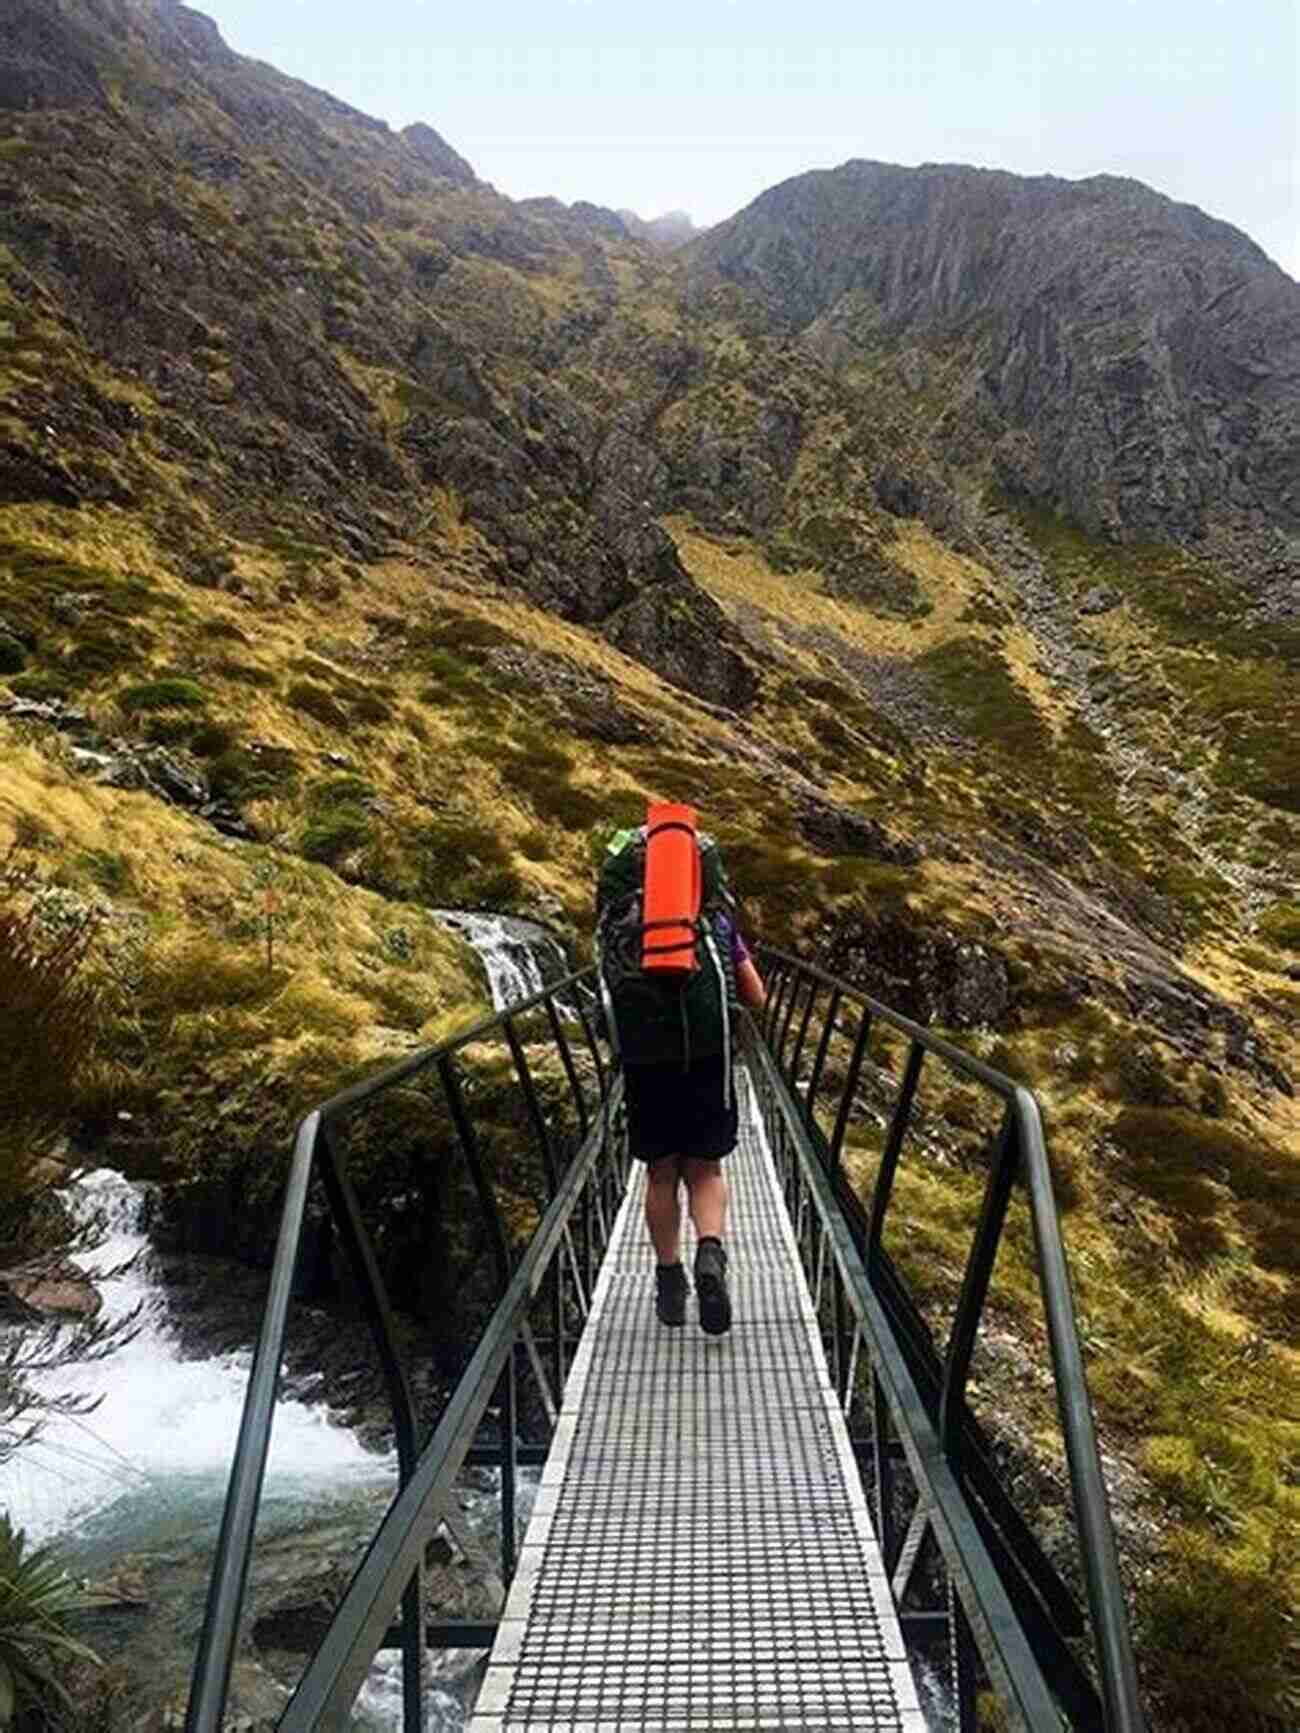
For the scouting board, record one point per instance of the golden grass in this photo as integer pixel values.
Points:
(735, 573)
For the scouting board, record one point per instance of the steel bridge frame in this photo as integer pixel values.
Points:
(1005, 1603)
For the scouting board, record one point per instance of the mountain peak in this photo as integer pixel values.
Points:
(672, 229)
(435, 153)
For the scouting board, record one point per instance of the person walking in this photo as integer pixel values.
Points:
(673, 1026)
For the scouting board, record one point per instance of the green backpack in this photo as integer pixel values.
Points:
(654, 1021)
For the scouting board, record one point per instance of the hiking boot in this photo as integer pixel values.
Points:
(670, 1294)
(711, 1288)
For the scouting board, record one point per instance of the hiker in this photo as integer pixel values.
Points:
(673, 966)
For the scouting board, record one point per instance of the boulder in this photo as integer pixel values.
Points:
(48, 1287)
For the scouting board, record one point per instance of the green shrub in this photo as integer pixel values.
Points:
(459, 632)
(1172, 1153)
(315, 701)
(1280, 926)
(366, 707)
(247, 673)
(49, 1020)
(535, 845)
(41, 684)
(212, 739)
(563, 804)
(101, 651)
(37, 1596)
(460, 861)
(339, 791)
(977, 682)
(13, 658)
(1221, 1632)
(109, 871)
(173, 693)
(1259, 759)
(874, 880)
(245, 773)
(334, 833)
(226, 629)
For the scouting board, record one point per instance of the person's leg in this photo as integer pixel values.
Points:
(707, 1193)
(663, 1215)
(663, 1218)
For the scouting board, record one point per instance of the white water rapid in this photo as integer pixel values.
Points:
(157, 1449)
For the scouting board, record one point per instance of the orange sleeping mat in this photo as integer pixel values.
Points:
(672, 889)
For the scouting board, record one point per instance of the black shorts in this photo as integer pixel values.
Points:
(671, 1111)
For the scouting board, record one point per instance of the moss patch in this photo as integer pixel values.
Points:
(976, 681)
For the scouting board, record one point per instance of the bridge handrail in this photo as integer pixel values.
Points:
(937, 1441)
(316, 1151)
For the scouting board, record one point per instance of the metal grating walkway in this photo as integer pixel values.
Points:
(700, 1554)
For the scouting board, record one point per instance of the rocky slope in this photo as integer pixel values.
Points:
(368, 543)
(1104, 350)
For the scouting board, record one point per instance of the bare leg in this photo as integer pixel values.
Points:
(663, 1214)
(707, 1191)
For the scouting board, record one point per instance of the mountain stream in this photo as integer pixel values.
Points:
(137, 1486)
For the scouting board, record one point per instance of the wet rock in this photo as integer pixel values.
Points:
(123, 1590)
(299, 1618)
(48, 1287)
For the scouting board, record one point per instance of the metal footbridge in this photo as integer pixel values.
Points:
(782, 1528)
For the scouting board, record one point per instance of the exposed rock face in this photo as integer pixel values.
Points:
(45, 62)
(435, 153)
(682, 634)
(1137, 362)
(930, 974)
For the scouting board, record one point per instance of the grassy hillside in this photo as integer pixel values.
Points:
(369, 545)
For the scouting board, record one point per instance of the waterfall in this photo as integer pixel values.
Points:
(519, 956)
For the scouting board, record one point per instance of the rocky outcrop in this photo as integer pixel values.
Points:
(46, 62)
(673, 229)
(1137, 363)
(682, 634)
(436, 154)
(837, 830)
(929, 973)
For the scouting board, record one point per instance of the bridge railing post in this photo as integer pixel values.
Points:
(975, 1285)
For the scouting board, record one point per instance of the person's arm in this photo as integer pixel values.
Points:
(749, 985)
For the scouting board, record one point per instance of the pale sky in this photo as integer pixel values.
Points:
(699, 105)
